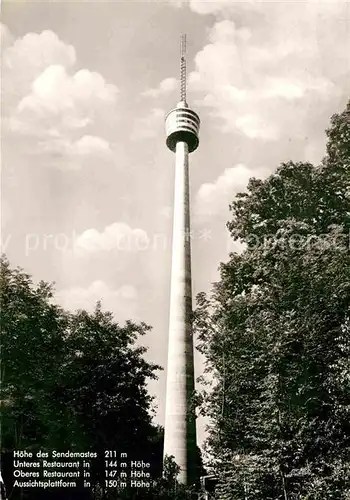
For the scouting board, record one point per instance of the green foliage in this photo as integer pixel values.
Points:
(276, 335)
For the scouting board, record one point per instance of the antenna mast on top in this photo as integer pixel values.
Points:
(183, 68)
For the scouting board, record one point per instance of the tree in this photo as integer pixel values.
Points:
(103, 383)
(71, 381)
(168, 487)
(275, 332)
(32, 350)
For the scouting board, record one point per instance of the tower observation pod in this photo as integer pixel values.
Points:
(182, 125)
(182, 128)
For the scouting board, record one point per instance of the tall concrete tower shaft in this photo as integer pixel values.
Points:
(182, 128)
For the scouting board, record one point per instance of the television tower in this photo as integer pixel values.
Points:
(182, 128)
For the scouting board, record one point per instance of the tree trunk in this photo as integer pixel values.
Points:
(284, 486)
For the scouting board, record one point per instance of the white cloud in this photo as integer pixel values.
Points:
(166, 86)
(117, 236)
(255, 128)
(213, 198)
(149, 126)
(37, 51)
(54, 89)
(260, 76)
(26, 58)
(89, 145)
(121, 301)
(47, 104)
(295, 89)
(205, 7)
(208, 7)
(5, 37)
(284, 88)
(78, 154)
(200, 6)
(69, 101)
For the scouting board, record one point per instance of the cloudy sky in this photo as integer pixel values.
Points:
(87, 182)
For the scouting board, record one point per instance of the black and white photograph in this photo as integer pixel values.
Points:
(175, 250)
